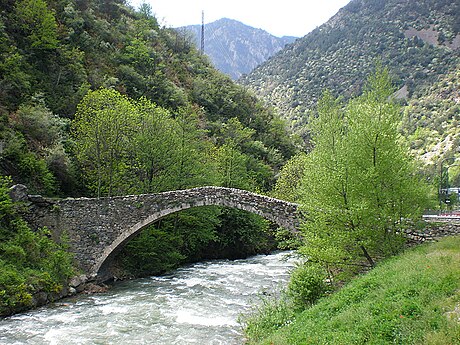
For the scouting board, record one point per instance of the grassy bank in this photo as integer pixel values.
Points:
(413, 298)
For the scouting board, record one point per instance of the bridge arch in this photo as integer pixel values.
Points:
(99, 228)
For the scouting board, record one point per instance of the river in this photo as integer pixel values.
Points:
(196, 304)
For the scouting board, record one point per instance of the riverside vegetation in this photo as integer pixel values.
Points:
(412, 298)
(34, 269)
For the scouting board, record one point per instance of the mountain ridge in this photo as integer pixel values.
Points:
(340, 53)
(234, 47)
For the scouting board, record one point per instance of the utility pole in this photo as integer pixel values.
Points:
(202, 32)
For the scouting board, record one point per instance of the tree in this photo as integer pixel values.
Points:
(38, 23)
(154, 147)
(192, 155)
(103, 128)
(231, 167)
(359, 187)
(290, 180)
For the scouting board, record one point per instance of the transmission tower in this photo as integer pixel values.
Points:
(202, 32)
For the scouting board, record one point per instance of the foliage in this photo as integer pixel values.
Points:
(157, 139)
(41, 128)
(124, 146)
(25, 165)
(308, 283)
(154, 251)
(231, 167)
(178, 238)
(31, 262)
(240, 234)
(104, 126)
(430, 124)
(409, 299)
(290, 179)
(38, 22)
(359, 186)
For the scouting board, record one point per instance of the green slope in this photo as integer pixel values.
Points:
(410, 299)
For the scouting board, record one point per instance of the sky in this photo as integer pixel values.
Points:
(278, 17)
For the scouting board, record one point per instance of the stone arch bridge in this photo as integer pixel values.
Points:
(98, 228)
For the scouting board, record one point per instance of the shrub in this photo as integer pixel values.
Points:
(30, 261)
(308, 283)
(13, 289)
(39, 125)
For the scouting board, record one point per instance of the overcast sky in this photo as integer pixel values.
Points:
(280, 17)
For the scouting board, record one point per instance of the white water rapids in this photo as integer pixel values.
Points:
(197, 304)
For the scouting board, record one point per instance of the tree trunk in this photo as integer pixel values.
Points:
(367, 256)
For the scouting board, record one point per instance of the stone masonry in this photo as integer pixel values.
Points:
(98, 228)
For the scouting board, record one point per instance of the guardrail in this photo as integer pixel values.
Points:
(441, 214)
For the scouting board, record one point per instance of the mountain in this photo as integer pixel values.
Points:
(236, 48)
(418, 41)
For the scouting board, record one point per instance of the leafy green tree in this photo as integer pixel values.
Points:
(290, 179)
(154, 147)
(360, 185)
(38, 22)
(192, 154)
(103, 128)
(231, 167)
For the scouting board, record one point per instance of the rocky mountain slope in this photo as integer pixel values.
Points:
(419, 41)
(431, 121)
(236, 48)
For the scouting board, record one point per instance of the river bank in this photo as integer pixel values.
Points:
(412, 298)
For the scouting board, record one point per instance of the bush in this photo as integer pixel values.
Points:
(13, 290)
(308, 283)
(38, 124)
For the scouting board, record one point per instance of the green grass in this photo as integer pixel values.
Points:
(413, 298)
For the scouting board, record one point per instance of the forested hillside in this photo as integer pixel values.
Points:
(236, 48)
(97, 99)
(54, 52)
(430, 121)
(418, 40)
